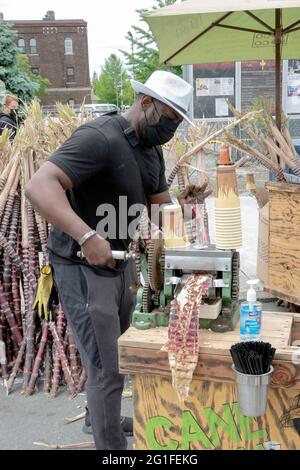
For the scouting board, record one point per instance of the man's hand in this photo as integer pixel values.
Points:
(97, 252)
(193, 194)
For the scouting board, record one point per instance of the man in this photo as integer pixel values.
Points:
(109, 157)
(8, 118)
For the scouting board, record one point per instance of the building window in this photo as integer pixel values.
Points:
(71, 103)
(70, 74)
(21, 45)
(35, 70)
(68, 46)
(32, 44)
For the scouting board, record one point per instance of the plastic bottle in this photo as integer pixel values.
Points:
(250, 315)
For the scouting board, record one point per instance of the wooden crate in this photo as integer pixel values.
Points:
(284, 241)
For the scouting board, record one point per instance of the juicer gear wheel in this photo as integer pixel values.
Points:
(155, 268)
(235, 286)
(147, 298)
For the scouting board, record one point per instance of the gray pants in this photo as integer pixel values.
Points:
(98, 310)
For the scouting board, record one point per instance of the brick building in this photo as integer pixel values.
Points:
(58, 50)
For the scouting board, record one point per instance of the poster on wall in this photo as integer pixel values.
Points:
(293, 87)
(221, 107)
(214, 84)
(257, 81)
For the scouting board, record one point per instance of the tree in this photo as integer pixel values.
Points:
(144, 58)
(42, 84)
(16, 80)
(113, 84)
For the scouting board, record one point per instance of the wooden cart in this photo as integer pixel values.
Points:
(210, 419)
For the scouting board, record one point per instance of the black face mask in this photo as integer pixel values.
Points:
(160, 133)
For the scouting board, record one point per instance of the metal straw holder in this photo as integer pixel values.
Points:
(252, 391)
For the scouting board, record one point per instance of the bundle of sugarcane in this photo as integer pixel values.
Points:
(32, 345)
(272, 148)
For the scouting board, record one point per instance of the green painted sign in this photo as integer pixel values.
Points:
(237, 427)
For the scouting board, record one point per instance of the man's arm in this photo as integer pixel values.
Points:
(46, 192)
(156, 203)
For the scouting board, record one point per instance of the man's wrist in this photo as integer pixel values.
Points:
(86, 237)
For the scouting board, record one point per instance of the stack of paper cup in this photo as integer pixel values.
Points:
(228, 228)
(227, 209)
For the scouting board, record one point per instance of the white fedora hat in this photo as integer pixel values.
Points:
(169, 89)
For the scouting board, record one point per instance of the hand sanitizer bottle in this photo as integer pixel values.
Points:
(250, 315)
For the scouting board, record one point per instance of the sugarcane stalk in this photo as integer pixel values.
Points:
(10, 202)
(279, 151)
(63, 359)
(47, 368)
(7, 274)
(279, 137)
(296, 167)
(60, 322)
(14, 224)
(181, 179)
(55, 375)
(73, 355)
(276, 170)
(286, 134)
(41, 226)
(213, 136)
(18, 262)
(18, 362)
(197, 148)
(5, 173)
(81, 382)
(73, 419)
(31, 240)
(173, 174)
(144, 224)
(10, 317)
(8, 186)
(16, 297)
(38, 359)
(29, 353)
(79, 445)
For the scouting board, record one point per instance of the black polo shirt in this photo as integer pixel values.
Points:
(105, 161)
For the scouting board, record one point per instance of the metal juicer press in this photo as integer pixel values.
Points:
(165, 271)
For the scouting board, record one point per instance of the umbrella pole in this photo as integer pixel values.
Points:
(278, 42)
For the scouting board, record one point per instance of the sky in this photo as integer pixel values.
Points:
(108, 20)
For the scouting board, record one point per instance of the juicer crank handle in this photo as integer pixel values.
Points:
(118, 255)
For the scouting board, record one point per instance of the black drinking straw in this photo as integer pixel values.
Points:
(252, 357)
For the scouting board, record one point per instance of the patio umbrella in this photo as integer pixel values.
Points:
(202, 31)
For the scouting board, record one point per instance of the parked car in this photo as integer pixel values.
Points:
(101, 108)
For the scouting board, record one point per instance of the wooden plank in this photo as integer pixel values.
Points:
(211, 367)
(134, 340)
(284, 296)
(296, 316)
(209, 419)
(283, 187)
(284, 244)
(295, 333)
(276, 329)
(284, 216)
